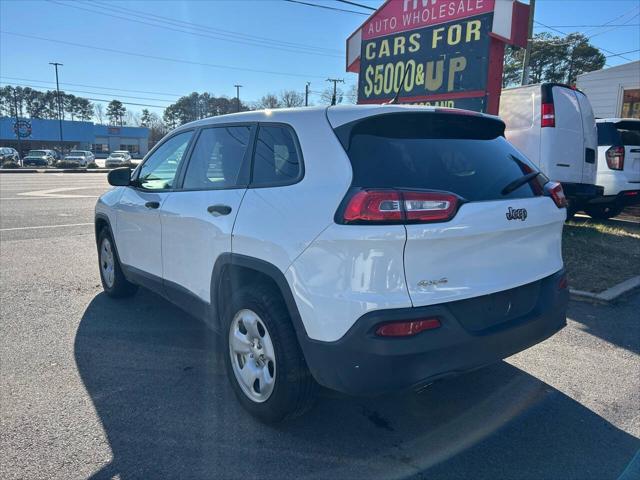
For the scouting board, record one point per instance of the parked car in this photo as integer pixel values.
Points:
(9, 155)
(618, 166)
(554, 126)
(117, 158)
(80, 157)
(39, 158)
(369, 249)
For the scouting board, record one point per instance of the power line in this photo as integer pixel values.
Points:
(565, 33)
(107, 100)
(141, 14)
(158, 57)
(326, 7)
(623, 53)
(620, 16)
(92, 93)
(93, 86)
(599, 26)
(356, 4)
(613, 28)
(199, 34)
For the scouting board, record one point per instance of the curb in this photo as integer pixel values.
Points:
(55, 170)
(77, 170)
(610, 294)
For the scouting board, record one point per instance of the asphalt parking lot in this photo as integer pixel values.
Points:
(96, 388)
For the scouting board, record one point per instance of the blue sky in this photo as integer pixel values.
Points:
(310, 44)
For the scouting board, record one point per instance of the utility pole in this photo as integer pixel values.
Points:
(56, 64)
(527, 51)
(238, 95)
(335, 88)
(15, 105)
(306, 94)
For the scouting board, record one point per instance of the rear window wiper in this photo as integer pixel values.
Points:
(518, 182)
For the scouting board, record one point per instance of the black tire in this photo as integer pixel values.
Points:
(120, 287)
(603, 212)
(294, 389)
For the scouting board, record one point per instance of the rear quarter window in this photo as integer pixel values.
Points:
(465, 155)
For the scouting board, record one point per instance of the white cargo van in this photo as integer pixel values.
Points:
(554, 126)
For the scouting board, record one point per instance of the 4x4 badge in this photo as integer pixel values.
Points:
(517, 214)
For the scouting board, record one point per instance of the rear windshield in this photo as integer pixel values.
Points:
(625, 133)
(465, 155)
(37, 153)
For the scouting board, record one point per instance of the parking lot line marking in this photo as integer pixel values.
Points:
(54, 193)
(49, 198)
(45, 226)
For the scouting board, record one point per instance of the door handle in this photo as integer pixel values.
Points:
(152, 204)
(217, 210)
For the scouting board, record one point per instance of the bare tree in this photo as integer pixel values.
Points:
(270, 100)
(132, 118)
(98, 111)
(352, 94)
(291, 98)
(327, 95)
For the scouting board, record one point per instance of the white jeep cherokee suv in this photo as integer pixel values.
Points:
(365, 248)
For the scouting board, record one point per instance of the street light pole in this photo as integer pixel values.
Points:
(306, 94)
(56, 64)
(238, 95)
(15, 104)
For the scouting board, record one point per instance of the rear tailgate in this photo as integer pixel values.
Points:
(629, 131)
(497, 240)
(563, 145)
(481, 251)
(590, 138)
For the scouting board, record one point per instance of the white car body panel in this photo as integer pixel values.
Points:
(348, 271)
(289, 218)
(480, 251)
(138, 234)
(192, 238)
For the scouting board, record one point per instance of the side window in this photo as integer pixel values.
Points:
(276, 159)
(159, 171)
(217, 158)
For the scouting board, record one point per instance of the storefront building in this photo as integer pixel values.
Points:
(38, 133)
(613, 92)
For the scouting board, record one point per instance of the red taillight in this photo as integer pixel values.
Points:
(631, 193)
(374, 206)
(554, 190)
(615, 158)
(407, 329)
(394, 206)
(548, 118)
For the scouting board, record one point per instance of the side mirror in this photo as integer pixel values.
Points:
(119, 177)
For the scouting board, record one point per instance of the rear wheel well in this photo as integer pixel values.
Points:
(233, 277)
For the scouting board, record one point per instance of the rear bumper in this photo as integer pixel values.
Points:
(361, 363)
(582, 191)
(35, 163)
(623, 198)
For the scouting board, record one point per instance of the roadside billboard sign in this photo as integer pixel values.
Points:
(436, 52)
